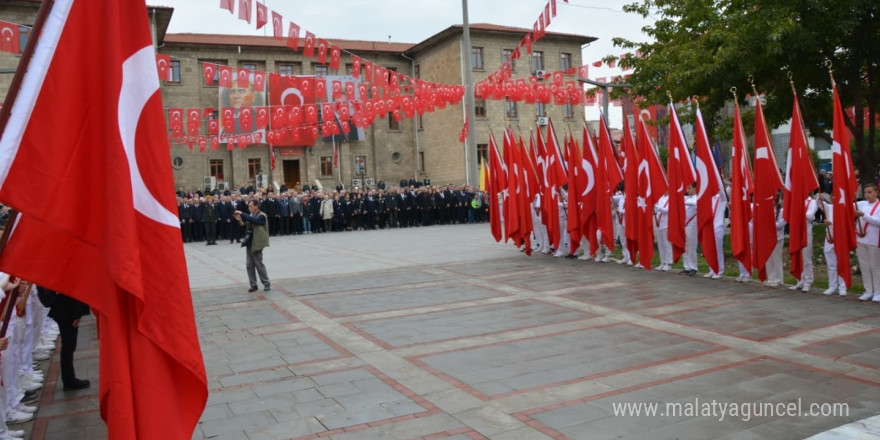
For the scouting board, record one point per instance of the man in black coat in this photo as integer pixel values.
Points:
(67, 312)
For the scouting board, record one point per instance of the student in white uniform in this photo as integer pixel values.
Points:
(661, 229)
(836, 284)
(719, 207)
(690, 231)
(563, 223)
(774, 263)
(868, 239)
(810, 207)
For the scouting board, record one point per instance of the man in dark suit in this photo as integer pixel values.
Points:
(296, 214)
(371, 208)
(198, 210)
(67, 312)
(209, 219)
(284, 214)
(186, 218)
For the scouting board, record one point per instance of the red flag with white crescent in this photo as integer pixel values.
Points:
(844, 189)
(708, 186)
(149, 347)
(767, 184)
(742, 187)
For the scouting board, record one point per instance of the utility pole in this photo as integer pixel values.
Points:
(605, 87)
(472, 167)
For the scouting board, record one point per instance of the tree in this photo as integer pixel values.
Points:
(705, 47)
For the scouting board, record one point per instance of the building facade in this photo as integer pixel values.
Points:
(425, 146)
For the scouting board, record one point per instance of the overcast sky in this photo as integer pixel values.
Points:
(411, 21)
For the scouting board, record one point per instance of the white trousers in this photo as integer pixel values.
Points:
(869, 263)
(664, 248)
(774, 265)
(690, 246)
(719, 250)
(834, 280)
(807, 255)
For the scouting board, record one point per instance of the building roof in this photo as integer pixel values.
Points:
(261, 41)
(457, 29)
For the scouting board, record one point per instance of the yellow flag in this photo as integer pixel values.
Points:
(482, 175)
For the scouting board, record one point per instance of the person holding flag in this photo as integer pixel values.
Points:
(868, 239)
(836, 283)
(741, 188)
(799, 208)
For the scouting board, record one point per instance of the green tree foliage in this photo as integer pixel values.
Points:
(705, 47)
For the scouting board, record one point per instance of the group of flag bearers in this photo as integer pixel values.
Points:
(583, 200)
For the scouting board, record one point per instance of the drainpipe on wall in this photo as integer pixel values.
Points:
(412, 64)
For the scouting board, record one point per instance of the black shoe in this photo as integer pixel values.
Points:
(252, 289)
(30, 397)
(685, 272)
(266, 288)
(692, 272)
(77, 384)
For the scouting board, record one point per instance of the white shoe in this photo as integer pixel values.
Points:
(606, 258)
(629, 263)
(25, 408)
(621, 261)
(41, 356)
(585, 257)
(708, 275)
(639, 266)
(876, 298)
(559, 254)
(796, 286)
(14, 416)
(830, 291)
(866, 296)
(30, 386)
(16, 433)
(546, 251)
(771, 284)
(806, 287)
(717, 276)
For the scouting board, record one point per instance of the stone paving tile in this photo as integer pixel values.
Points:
(518, 366)
(773, 317)
(493, 268)
(383, 278)
(346, 305)
(469, 321)
(237, 318)
(748, 384)
(858, 349)
(547, 281)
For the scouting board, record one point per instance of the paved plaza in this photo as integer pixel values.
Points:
(441, 333)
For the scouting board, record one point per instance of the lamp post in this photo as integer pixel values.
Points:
(604, 87)
(471, 166)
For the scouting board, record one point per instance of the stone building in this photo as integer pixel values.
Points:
(420, 147)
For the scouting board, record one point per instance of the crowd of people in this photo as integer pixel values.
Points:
(209, 216)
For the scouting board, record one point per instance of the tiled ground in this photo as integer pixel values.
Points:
(440, 333)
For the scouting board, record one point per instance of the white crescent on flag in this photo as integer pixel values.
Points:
(136, 90)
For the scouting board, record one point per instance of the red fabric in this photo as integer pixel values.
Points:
(244, 10)
(588, 202)
(229, 5)
(259, 81)
(652, 186)
(511, 199)
(608, 177)
(246, 118)
(262, 117)
(175, 121)
(322, 51)
(163, 62)
(631, 190)
(844, 189)
(208, 71)
(680, 172)
(741, 189)
(243, 78)
(262, 15)
(800, 181)
(149, 348)
(226, 76)
(335, 54)
(309, 45)
(356, 67)
(556, 177)
(193, 121)
(278, 26)
(767, 183)
(576, 186)
(708, 186)
(293, 36)
(497, 180)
